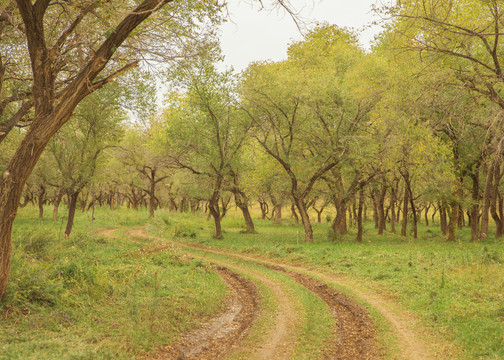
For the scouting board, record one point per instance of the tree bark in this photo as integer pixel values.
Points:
(452, 225)
(359, 215)
(487, 198)
(213, 206)
(442, 218)
(339, 224)
(294, 213)
(241, 201)
(393, 199)
(493, 203)
(380, 205)
(305, 219)
(72, 206)
(264, 209)
(41, 201)
(56, 204)
(426, 214)
(405, 211)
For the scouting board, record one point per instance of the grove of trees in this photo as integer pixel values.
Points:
(409, 131)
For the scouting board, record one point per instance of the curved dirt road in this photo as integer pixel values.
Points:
(354, 333)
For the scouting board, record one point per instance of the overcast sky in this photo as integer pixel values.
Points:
(254, 34)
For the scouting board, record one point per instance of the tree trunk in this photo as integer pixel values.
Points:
(213, 206)
(375, 208)
(84, 200)
(415, 219)
(452, 225)
(294, 213)
(405, 211)
(487, 198)
(72, 206)
(305, 219)
(152, 193)
(380, 205)
(264, 209)
(41, 201)
(442, 218)
(393, 199)
(359, 215)
(12, 182)
(319, 214)
(56, 204)
(339, 225)
(426, 215)
(241, 201)
(493, 203)
(277, 212)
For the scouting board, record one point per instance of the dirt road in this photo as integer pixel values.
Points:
(354, 335)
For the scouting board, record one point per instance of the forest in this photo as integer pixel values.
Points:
(337, 145)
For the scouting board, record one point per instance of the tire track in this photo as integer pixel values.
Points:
(217, 338)
(411, 346)
(355, 336)
(214, 339)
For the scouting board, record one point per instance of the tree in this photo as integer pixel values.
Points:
(304, 116)
(142, 154)
(89, 45)
(78, 149)
(465, 38)
(207, 132)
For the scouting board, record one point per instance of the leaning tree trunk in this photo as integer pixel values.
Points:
(53, 110)
(305, 219)
(72, 206)
(14, 178)
(294, 213)
(56, 204)
(242, 202)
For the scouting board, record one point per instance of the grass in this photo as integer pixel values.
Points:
(456, 288)
(95, 297)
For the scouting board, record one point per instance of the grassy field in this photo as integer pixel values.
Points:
(98, 297)
(456, 288)
(101, 297)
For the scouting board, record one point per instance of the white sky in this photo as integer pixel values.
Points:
(257, 34)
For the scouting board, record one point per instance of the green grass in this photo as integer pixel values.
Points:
(92, 297)
(97, 297)
(456, 288)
